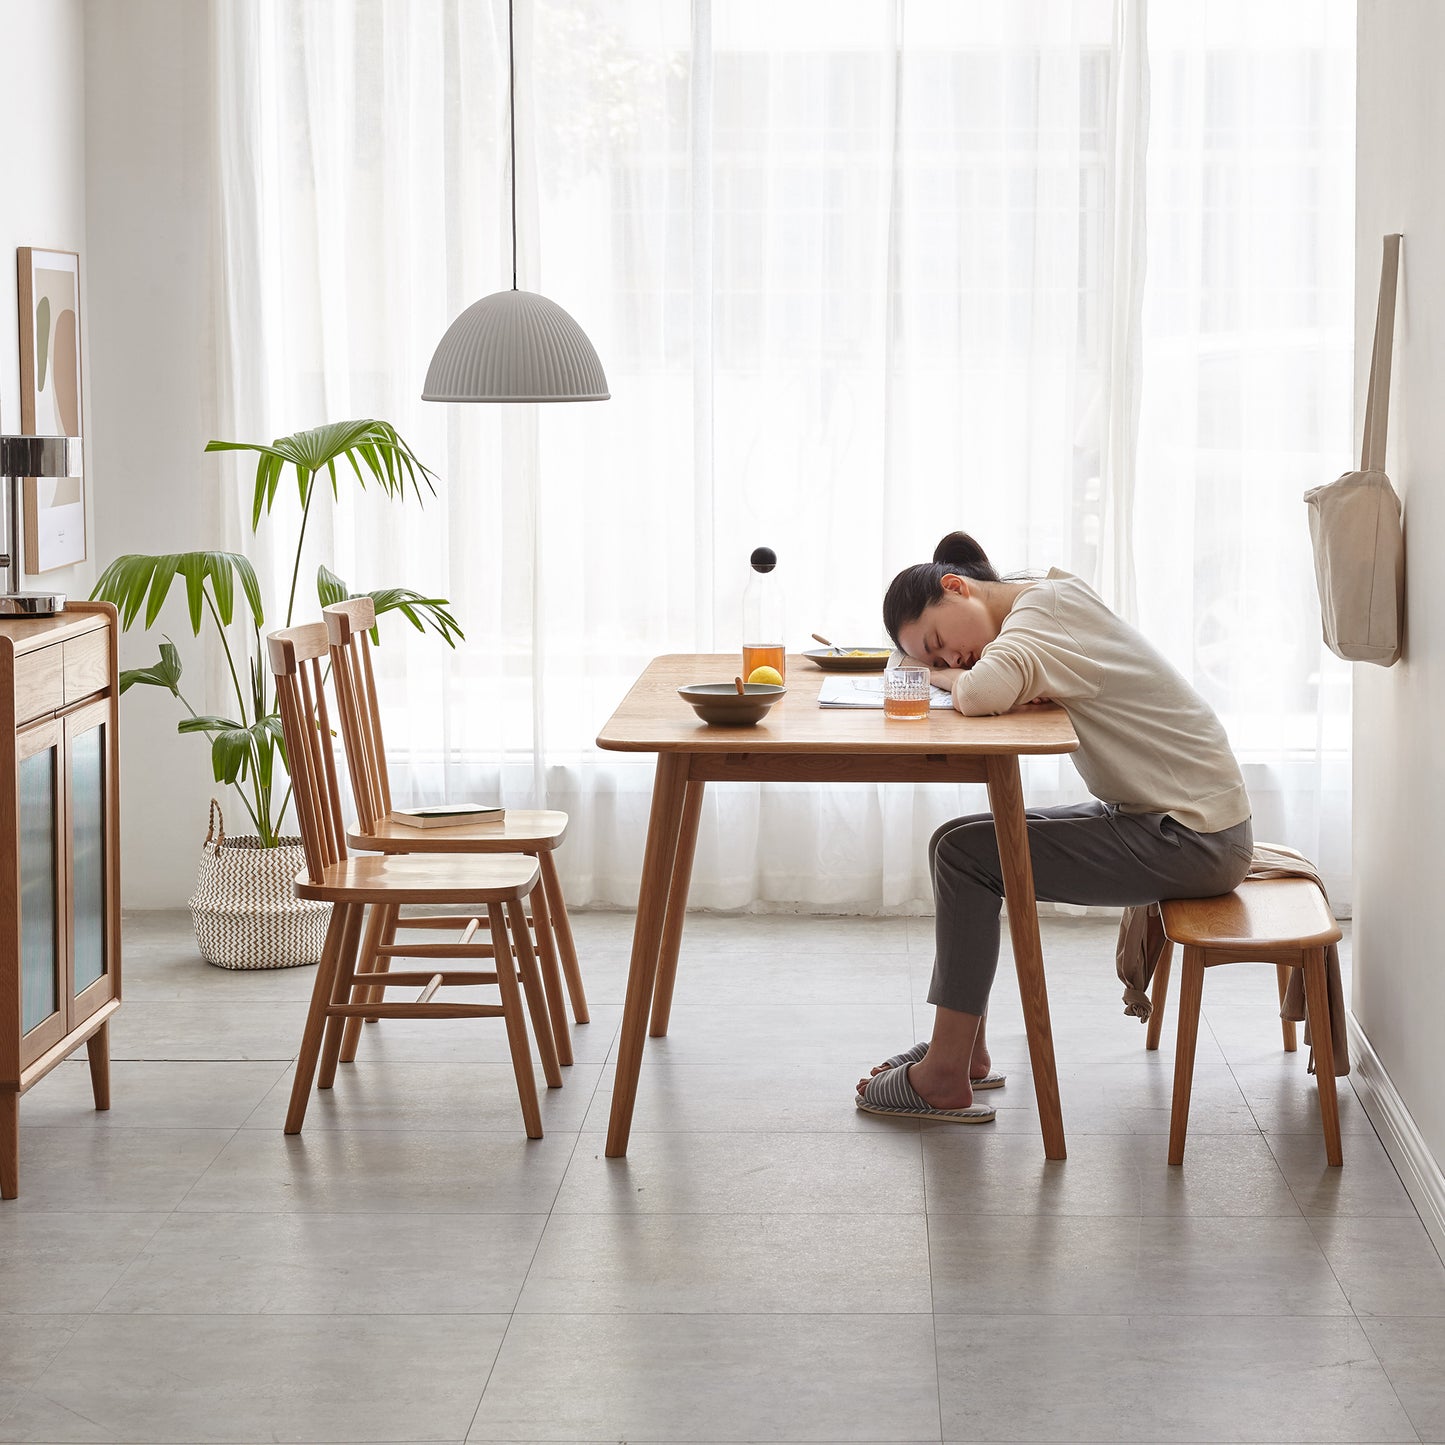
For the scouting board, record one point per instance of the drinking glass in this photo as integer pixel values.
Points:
(906, 693)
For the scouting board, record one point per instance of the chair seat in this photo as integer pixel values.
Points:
(1260, 913)
(383, 878)
(539, 828)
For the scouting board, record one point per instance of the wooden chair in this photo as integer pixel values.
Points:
(493, 888)
(532, 833)
(1283, 921)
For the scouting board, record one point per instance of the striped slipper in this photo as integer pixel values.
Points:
(891, 1093)
(991, 1080)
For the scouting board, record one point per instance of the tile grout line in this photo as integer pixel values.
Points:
(542, 1234)
(1355, 1316)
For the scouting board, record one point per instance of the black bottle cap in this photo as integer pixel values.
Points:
(764, 559)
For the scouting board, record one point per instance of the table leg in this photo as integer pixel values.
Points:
(676, 908)
(668, 788)
(1006, 799)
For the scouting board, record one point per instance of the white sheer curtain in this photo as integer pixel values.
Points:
(860, 272)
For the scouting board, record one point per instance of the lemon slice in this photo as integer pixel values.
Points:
(766, 674)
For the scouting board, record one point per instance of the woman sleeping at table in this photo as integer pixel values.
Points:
(1171, 817)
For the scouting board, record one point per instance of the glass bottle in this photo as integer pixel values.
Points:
(763, 616)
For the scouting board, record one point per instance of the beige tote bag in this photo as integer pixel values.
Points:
(1355, 521)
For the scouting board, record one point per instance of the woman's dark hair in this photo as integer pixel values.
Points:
(920, 586)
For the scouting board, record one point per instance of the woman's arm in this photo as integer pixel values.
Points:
(947, 677)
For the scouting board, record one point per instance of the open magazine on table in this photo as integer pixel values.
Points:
(852, 689)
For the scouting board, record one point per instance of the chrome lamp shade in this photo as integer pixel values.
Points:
(515, 346)
(23, 456)
(28, 456)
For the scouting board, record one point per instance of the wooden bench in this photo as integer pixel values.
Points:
(1283, 921)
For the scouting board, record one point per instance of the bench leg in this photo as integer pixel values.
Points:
(1286, 1026)
(1159, 996)
(1191, 997)
(1317, 1001)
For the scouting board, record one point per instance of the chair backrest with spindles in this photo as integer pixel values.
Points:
(348, 625)
(296, 655)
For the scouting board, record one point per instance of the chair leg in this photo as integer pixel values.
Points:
(516, 1025)
(1191, 997)
(97, 1046)
(343, 989)
(367, 993)
(539, 1003)
(383, 963)
(1317, 1001)
(316, 1016)
(551, 974)
(562, 927)
(1159, 996)
(1286, 1026)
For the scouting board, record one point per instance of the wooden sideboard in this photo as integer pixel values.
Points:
(59, 854)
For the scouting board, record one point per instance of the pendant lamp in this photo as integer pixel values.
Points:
(515, 345)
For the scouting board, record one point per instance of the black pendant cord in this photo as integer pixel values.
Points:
(512, 128)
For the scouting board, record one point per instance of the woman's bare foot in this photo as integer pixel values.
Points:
(979, 1067)
(937, 1086)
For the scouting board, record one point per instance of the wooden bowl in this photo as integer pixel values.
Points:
(722, 705)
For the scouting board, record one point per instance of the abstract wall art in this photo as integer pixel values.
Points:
(51, 401)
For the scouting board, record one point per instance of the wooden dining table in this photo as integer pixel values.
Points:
(800, 742)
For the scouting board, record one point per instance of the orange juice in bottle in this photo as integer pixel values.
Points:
(763, 616)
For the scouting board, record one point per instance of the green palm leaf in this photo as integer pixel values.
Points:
(137, 580)
(236, 749)
(166, 673)
(375, 449)
(421, 612)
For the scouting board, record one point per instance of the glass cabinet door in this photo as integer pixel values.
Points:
(88, 786)
(42, 972)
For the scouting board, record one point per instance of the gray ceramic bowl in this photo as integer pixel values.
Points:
(721, 704)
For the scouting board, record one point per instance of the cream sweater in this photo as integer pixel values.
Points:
(1147, 740)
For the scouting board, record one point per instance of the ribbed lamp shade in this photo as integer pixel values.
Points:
(515, 346)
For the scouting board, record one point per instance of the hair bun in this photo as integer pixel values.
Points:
(958, 549)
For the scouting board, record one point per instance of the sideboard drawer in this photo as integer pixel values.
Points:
(39, 682)
(87, 665)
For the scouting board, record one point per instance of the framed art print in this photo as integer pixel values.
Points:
(51, 401)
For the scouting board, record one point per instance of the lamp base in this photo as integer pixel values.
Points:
(31, 604)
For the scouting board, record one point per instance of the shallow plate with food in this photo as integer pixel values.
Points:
(850, 659)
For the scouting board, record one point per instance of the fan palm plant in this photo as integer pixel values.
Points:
(247, 750)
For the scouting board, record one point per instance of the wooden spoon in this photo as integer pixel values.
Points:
(742, 691)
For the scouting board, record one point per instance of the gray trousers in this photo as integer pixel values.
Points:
(1082, 853)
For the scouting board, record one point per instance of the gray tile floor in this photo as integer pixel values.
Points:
(767, 1265)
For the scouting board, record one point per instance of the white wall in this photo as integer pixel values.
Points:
(1399, 796)
(151, 370)
(111, 159)
(42, 203)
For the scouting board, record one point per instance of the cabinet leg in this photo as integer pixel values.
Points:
(98, 1047)
(9, 1142)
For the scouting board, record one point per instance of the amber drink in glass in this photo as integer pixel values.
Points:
(906, 693)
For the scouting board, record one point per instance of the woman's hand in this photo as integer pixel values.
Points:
(1033, 702)
(944, 677)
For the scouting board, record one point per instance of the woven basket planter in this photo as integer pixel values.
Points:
(245, 909)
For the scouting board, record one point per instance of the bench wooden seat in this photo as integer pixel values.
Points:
(1283, 921)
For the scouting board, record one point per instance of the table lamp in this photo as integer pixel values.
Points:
(20, 457)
